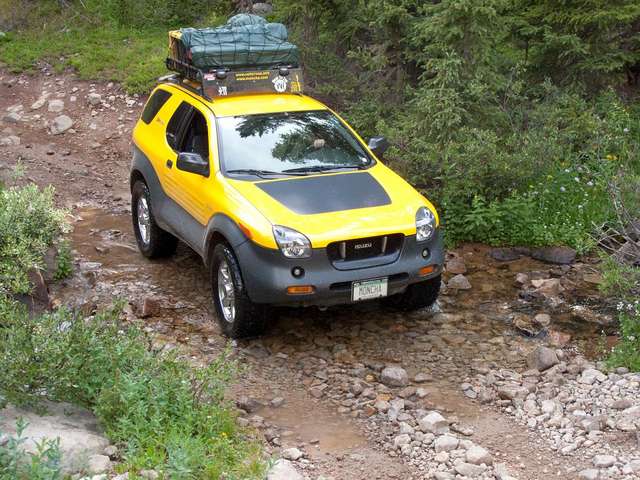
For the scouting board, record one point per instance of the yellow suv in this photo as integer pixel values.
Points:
(283, 201)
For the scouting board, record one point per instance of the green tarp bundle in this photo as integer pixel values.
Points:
(245, 41)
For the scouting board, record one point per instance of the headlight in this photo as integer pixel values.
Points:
(425, 224)
(292, 244)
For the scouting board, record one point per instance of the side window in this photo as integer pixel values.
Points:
(176, 125)
(196, 137)
(154, 104)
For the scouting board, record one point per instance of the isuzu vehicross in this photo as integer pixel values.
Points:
(281, 198)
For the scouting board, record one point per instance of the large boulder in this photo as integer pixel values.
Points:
(76, 428)
(557, 255)
(284, 470)
(542, 358)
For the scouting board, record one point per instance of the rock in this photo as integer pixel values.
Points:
(98, 464)
(94, 99)
(292, 454)
(478, 455)
(277, 402)
(402, 439)
(591, 375)
(38, 104)
(55, 106)
(622, 404)
(589, 474)
(149, 474)
(542, 319)
(60, 124)
(434, 423)
(526, 325)
(456, 266)
(522, 278)
(446, 443)
(262, 8)
(248, 404)
(557, 255)
(12, 117)
(443, 476)
(10, 141)
(469, 470)
(394, 377)
(542, 358)
(111, 451)
(459, 282)
(558, 338)
(148, 307)
(604, 461)
(422, 378)
(75, 427)
(550, 287)
(504, 254)
(502, 473)
(284, 470)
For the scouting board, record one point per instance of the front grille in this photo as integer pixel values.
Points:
(363, 248)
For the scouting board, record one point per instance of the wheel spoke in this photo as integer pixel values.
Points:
(226, 292)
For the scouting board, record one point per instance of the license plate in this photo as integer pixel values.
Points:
(368, 289)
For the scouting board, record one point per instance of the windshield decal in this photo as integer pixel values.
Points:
(327, 193)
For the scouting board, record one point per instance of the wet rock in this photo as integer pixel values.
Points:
(542, 358)
(550, 287)
(459, 282)
(394, 377)
(504, 254)
(60, 124)
(292, 454)
(556, 255)
(434, 423)
(248, 404)
(55, 106)
(148, 307)
(284, 470)
(456, 266)
(478, 455)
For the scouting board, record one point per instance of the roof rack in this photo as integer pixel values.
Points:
(222, 82)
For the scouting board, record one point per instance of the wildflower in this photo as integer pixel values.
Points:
(590, 183)
(625, 130)
(577, 179)
(562, 189)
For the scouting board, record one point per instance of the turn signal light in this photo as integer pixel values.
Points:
(300, 290)
(424, 271)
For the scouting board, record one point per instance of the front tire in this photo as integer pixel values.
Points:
(416, 296)
(237, 315)
(153, 242)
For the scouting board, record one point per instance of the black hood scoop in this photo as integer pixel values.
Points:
(327, 193)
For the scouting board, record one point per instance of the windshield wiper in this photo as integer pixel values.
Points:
(323, 168)
(256, 172)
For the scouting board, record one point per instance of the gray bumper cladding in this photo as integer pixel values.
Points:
(267, 273)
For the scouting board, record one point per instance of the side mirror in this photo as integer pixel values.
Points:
(378, 145)
(194, 163)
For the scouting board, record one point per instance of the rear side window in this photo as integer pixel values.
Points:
(177, 124)
(154, 104)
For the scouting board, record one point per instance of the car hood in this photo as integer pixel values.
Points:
(341, 206)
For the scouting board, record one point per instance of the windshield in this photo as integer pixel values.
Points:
(291, 143)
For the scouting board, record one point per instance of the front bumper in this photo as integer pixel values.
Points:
(267, 272)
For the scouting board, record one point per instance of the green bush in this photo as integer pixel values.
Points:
(29, 224)
(170, 414)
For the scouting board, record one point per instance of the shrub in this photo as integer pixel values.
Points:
(170, 414)
(29, 224)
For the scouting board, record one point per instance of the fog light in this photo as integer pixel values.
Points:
(424, 271)
(425, 252)
(297, 272)
(300, 290)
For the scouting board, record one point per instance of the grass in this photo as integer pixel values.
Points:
(135, 58)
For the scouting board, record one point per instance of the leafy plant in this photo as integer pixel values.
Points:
(64, 261)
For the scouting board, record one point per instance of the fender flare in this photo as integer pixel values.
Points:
(223, 226)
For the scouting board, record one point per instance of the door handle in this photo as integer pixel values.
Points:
(169, 163)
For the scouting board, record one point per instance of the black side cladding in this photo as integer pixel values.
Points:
(327, 193)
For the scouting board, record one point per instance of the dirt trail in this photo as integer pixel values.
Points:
(311, 359)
